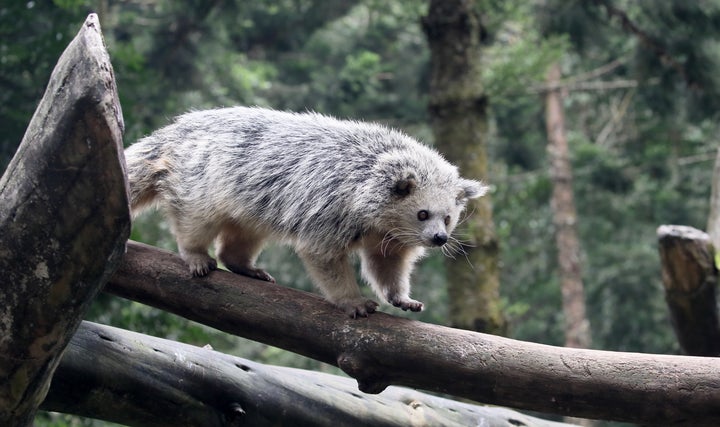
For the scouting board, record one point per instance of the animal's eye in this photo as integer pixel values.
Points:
(447, 220)
(423, 215)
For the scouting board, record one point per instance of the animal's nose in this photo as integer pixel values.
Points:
(440, 239)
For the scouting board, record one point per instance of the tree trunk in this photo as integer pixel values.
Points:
(713, 225)
(458, 113)
(138, 380)
(690, 278)
(577, 327)
(381, 350)
(64, 220)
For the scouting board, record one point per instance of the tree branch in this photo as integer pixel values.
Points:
(645, 39)
(598, 71)
(382, 350)
(575, 86)
(138, 380)
(64, 220)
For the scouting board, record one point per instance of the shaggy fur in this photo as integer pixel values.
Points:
(240, 176)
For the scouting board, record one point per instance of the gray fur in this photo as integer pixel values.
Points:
(239, 176)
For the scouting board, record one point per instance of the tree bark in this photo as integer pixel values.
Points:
(381, 350)
(458, 114)
(64, 220)
(577, 326)
(138, 380)
(690, 278)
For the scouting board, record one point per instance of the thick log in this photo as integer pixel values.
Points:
(381, 350)
(64, 220)
(143, 381)
(690, 278)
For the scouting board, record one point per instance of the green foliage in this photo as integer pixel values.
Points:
(518, 60)
(46, 419)
(32, 37)
(639, 159)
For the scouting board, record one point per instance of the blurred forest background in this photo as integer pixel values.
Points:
(641, 83)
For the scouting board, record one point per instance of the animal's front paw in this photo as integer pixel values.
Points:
(360, 307)
(200, 265)
(406, 303)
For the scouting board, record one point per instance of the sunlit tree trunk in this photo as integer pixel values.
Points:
(458, 112)
(577, 331)
(577, 326)
(713, 224)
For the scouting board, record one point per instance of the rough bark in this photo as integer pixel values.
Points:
(138, 380)
(459, 118)
(64, 220)
(577, 327)
(381, 350)
(690, 278)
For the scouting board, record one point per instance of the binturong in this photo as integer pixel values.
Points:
(241, 176)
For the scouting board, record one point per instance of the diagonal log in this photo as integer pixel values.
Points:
(64, 220)
(139, 380)
(383, 350)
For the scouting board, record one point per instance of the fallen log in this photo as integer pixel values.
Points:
(64, 220)
(143, 381)
(381, 350)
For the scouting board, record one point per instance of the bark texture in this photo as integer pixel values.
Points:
(138, 380)
(64, 220)
(459, 118)
(690, 278)
(381, 350)
(577, 326)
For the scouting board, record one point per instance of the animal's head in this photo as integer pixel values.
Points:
(426, 213)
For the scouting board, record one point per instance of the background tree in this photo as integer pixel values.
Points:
(459, 116)
(577, 328)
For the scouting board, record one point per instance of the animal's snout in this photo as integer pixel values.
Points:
(439, 239)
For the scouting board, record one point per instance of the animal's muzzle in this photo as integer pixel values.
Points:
(439, 239)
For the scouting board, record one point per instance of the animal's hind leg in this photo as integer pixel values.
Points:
(238, 248)
(193, 243)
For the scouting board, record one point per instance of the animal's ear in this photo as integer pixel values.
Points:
(405, 186)
(470, 189)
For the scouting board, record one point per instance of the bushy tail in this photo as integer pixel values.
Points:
(145, 171)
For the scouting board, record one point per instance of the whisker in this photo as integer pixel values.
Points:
(466, 215)
(456, 247)
(385, 242)
(398, 238)
(466, 243)
(448, 251)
